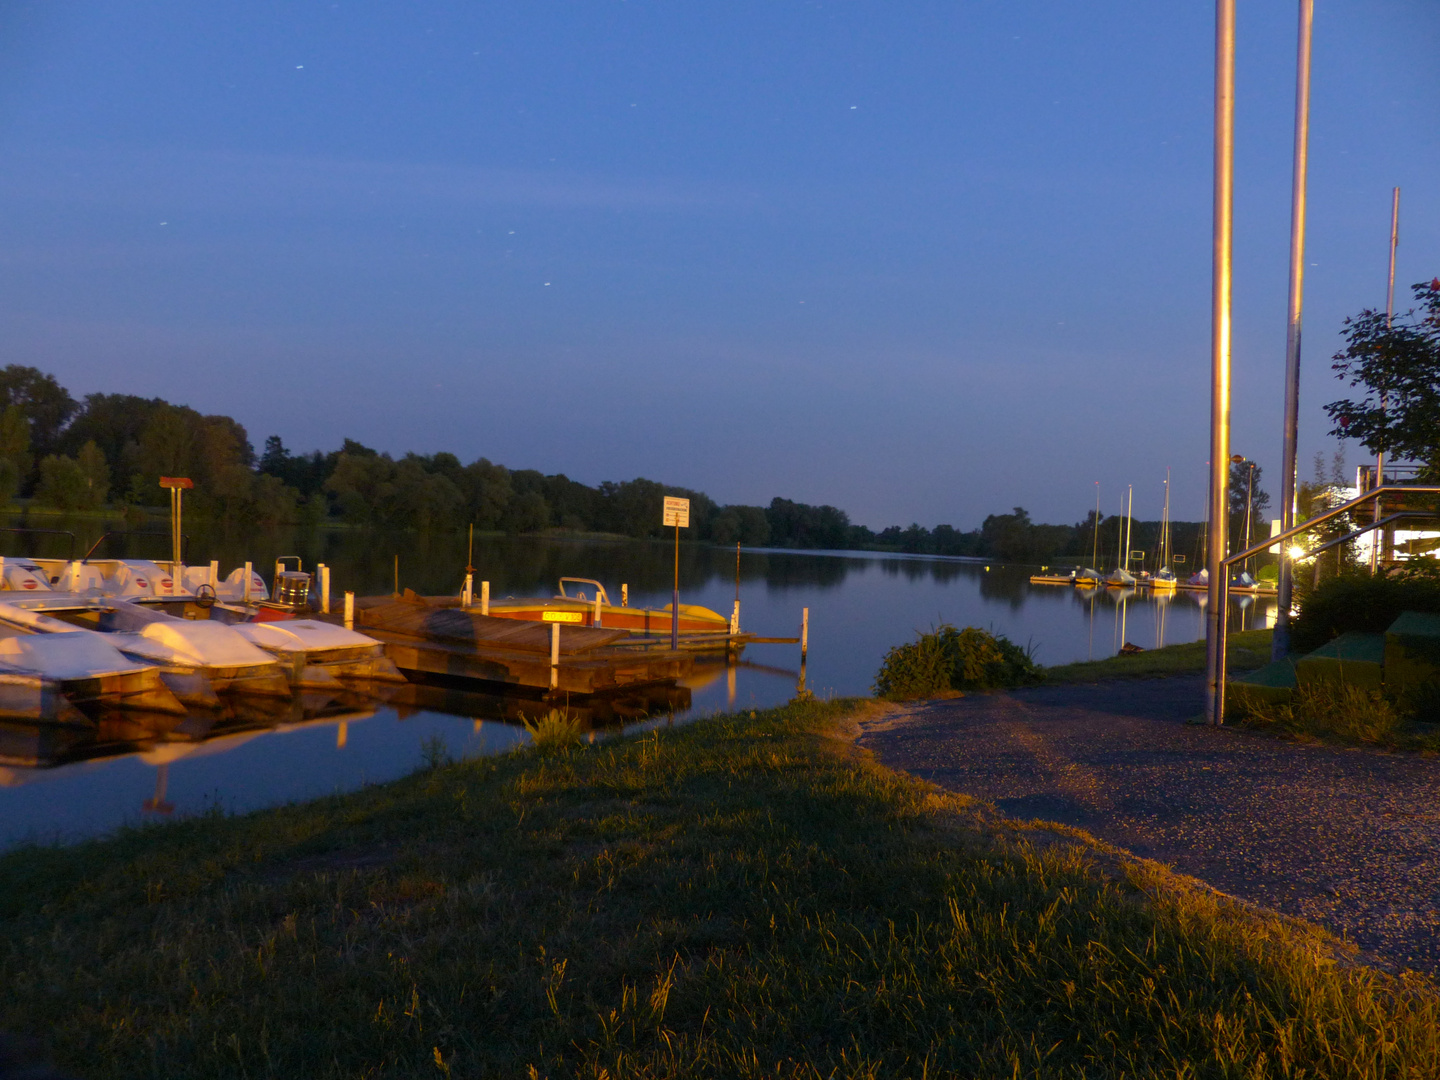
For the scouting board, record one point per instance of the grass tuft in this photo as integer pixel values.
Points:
(1248, 649)
(1340, 712)
(747, 896)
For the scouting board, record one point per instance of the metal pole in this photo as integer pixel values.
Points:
(675, 596)
(1389, 316)
(1221, 262)
(1249, 502)
(1095, 541)
(554, 655)
(1280, 643)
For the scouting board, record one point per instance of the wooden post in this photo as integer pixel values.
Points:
(735, 619)
(397, 573)
(214, 573)
(484, 598)
(675, 596)
(249, 577)
(324, 588)
(554, 655)
(624, 595)
(596, 621)
(804, 633)
(467, 598)
(349, 611)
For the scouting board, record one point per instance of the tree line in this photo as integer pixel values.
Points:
(111, 450)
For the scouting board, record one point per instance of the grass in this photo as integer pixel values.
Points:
(748, 896)
(1248, 649)
(1340, 712)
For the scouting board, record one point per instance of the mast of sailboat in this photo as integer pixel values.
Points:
(1120, 541)
(1095, 538)
(1129, 517)
(1165, 527)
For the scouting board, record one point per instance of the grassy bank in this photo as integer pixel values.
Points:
(747, 896)
(1248, 649)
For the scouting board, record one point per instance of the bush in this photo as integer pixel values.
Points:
(1336, 709)
(1365, 602)
(947, 659)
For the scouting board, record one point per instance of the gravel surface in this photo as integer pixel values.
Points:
(1341, 836)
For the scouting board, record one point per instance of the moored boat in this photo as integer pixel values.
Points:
(576, 606)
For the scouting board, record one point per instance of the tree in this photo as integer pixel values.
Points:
(63, 484)
(46, 403)
(15, 441)
(1399, 367)
(97, 475)
(1243, 495)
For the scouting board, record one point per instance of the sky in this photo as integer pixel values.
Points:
(921, 261)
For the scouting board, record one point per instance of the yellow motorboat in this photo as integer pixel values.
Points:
(584, 602)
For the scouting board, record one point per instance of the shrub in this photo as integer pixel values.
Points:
(1365, 602)
(947, 659)
(555, 728)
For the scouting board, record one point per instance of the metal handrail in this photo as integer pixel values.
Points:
(1217, 714)
(48, 532)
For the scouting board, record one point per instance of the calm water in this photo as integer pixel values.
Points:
(860, 605)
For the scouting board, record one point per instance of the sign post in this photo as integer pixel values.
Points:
(677, 513)
(176, 484)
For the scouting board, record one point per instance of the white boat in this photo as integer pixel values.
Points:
(85, 666)
(219, 625)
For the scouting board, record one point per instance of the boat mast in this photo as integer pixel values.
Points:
(1165, 527)
(1129, 519)
(1095, 532)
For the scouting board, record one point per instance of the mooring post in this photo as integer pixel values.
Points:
(214, 573)
(349, 611)
(468, 599)
(324, 588)
(554, 655)
(484, 598)
(804, 633)
(624, 595)
(735, 619)
(597, 608)
(249, 577)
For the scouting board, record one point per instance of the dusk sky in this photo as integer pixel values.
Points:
(922, 261)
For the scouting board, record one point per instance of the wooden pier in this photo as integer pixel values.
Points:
(432, 636)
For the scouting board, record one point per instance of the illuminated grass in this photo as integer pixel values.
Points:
(1248, 649)
(743, 897)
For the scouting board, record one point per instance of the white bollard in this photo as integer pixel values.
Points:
(467, 598)
(624, 595)
(597, 608)
(249, 576)
(349, 611)
(324, 589)
(214, 574)
(484, 598)
(735, 619)
(554, 655)
(804, 633)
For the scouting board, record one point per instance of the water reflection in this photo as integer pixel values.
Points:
(61, 782)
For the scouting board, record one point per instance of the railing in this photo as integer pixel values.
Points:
(1215, 650)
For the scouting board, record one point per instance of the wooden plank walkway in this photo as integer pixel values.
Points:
(435, 638)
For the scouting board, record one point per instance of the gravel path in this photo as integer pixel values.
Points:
(1343, 837)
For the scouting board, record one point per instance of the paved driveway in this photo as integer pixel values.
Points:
(1344, 837)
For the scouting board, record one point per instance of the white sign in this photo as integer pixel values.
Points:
(677, 512)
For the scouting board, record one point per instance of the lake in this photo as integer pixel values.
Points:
(54, 786)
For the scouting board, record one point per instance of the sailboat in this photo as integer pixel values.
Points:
(1087, 577)
(1164, 578)
(1120, 577)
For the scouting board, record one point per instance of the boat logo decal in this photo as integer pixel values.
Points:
(562, 616)
(166, 583)
(29, 583)
(140, 581)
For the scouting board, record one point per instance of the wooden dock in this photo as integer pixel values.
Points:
(433, 637)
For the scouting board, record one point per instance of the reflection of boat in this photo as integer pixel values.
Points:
(575, 606)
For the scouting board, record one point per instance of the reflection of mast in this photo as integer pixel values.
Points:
(157, 803)
(342, 735)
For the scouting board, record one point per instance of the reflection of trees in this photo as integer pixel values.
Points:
(1010, 584)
